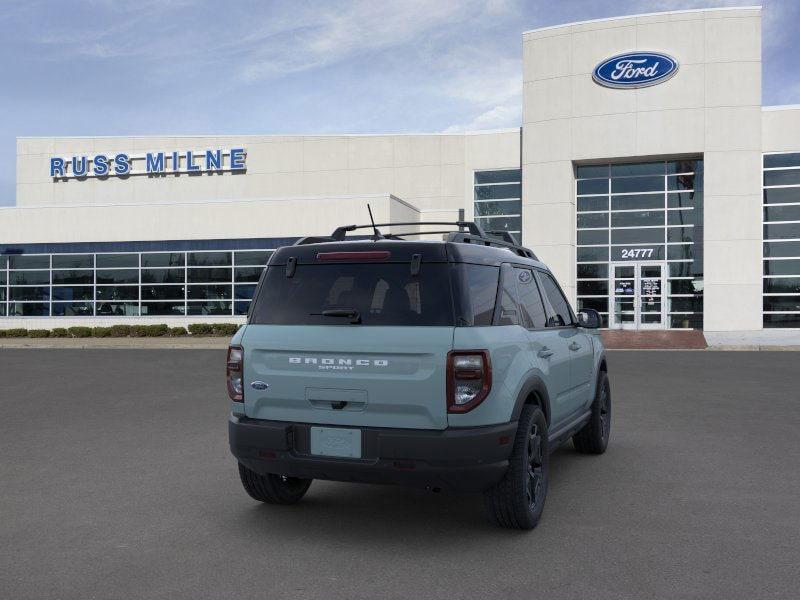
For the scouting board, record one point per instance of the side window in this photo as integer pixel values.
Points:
(530, 300)
(563, 315)
(509, 313)
(482, 289)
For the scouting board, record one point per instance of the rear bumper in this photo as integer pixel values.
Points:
(465, 459)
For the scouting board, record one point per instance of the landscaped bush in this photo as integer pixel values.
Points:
(101, 332)
(120, 330)
(16, 332)
(224, 328)
(138, 331)
(156, 330)
(201, 329)
(39, 333)
(80, 332)
(177, 331)
(59, 332)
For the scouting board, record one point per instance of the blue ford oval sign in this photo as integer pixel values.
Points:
(635, 70)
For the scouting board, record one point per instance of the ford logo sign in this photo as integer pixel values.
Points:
(635, 70)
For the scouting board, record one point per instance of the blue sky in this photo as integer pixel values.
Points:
(104, 67)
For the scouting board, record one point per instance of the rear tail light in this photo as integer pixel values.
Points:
(235, 373)
(469, 379)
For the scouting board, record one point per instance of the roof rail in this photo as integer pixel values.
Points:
(474, 235)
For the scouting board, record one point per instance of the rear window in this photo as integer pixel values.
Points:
(382, 294)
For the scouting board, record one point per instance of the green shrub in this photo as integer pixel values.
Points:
(38, 333)
(224, 328)
(101, 332)
(177, 331)
(120, 330)
(59, 332)
(157, 330)
(138, 330)
(201, 329)
(16, 332)
(80, 332)
(2, 333)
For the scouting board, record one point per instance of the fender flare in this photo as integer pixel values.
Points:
(533, 384)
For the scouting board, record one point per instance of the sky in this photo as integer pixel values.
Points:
(171, 67)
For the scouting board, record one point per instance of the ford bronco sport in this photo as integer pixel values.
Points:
(452, 364)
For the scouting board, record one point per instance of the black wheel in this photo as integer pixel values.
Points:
(273, 489)
(517, 501)
(593, 438)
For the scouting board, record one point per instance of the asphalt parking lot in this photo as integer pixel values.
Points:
(116, 482)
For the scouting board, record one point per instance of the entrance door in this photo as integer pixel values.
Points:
(637, 295)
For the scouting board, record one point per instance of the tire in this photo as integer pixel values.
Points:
(593, 438)
(273, 489)
(517, 501)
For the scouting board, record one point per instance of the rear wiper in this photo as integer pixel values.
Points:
(353, 315)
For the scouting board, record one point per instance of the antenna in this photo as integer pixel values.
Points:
(377, 235)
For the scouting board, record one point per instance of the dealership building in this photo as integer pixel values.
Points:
(646, 173)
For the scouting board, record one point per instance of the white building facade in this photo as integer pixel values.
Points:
(657, 187)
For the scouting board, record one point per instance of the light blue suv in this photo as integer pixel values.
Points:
(453, 364)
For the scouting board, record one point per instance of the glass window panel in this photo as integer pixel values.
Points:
(493, 192)
(500, 176)
(782, 231)
(680, 234)
(73, 261)
(118, 292)
(592, 236)
(592, 271)
(162, 308)
(209, 259)
(637, 184)
(782, 195)
(782, 267)
(587, 171)
(788, 177)
(684, 199)
(598, 304)
(592, 254)
(209, 308)
(507, 207)
(680, 252)
(686, 321)
(3, 262)
(775, 321)
(73, 277)
(29, 293)
(209, 292)
(637, 236)
(2, 277)
(246, 292)
(115, 261)
(782, 285)
(73, 309)
(71, 292)
(680, 182)
(117, 276)
(684, 286)
(637, 219)
(2, 294)
(684, 166)
(681, 269)
(648, 168)
(163, 276)
(25, 261)
(782, 249)
(593, 288)
(592, 186)
(209, 275)
(252, 257)
(637, 202)
(681, 217)
(28, 309)
(593, 220)
(562, 314)
(162, 292)
(499, 223)
(29, 277)
(598, 203)
(782, 303)
(247, 273)
(240, 307)
(530, 300)
(694, 304)
(782, 213)
(117, 309)
(163, 259)
(791, 159)
(3, 308)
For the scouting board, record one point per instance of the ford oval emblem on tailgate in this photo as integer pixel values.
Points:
(259, 385)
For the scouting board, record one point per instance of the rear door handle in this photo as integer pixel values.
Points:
(574, 346)
(545, 352)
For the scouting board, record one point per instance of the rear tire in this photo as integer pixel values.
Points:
(273, 489)
(517, 501)
(593, 438)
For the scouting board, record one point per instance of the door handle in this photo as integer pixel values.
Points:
(545, 352)
(574, 346)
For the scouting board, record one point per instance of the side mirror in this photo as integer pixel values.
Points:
(589, 318)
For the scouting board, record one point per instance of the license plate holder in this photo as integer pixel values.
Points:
(336, 441)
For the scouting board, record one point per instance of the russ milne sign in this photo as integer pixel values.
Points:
(150, 163)
(635, 70)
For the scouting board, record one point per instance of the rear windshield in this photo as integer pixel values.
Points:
(382, 294)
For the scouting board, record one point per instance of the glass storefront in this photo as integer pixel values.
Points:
(498, 201)
(640, 243)
(120, 284)
(781, 300)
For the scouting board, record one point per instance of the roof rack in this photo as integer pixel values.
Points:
(474, 234)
